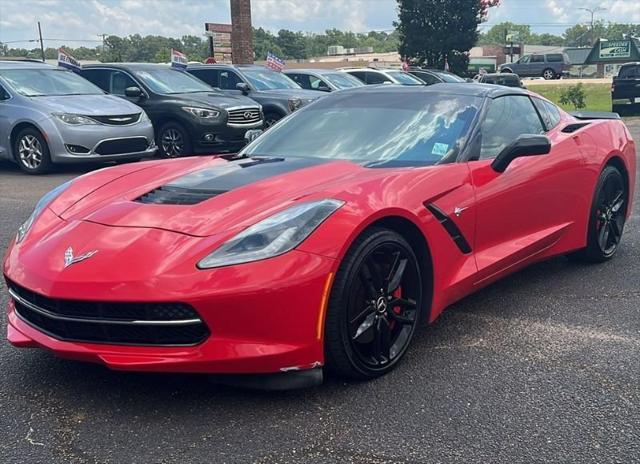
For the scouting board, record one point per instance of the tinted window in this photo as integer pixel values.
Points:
(301, 79)
(405, 78)
(228, 80)
(99, 77)
(555, 57)
(342, 80)
(548, 112)
(4, 95)
(537, 58)
(629, 72)
(524, 60)
(426, 77)
(266, 79)
(382, 129)
(361, 75)
(210, 76)
(376, 78)
(506, 119)
(449, 77)
(170, 81)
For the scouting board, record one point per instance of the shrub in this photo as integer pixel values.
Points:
(574, 95)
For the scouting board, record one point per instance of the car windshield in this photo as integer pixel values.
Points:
(449, 77)
(374, 129)
(343, 80)
(169, 81)
(48, 82)
(405, 78)
(266, 79)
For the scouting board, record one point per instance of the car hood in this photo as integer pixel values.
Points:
(216, 100)
(204, 196)
(92, 105)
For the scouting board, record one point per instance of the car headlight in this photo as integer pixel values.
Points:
(202, 113)
(143, 117)
(272, 236)
(74, 119)
(40, 206)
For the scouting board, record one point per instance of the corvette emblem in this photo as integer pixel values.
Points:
(69, 259)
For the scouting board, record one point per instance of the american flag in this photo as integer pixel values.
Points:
(274, 62)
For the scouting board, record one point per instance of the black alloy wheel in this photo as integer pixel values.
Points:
(270, 119)
(173, 141)
(374, 306)
(608, 215)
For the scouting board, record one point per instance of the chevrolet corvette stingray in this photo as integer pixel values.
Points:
(325, 242)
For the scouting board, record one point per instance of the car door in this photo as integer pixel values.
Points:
(532, 204)
(521, 67)
(537, 65)
(5, 123)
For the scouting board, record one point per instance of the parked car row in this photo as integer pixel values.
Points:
(129, 111)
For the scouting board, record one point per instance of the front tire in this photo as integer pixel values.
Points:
(270, 119)
(607, 217)
(173, 141)
(32, 152)
(374, 306)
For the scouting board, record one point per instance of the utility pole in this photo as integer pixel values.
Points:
(593, 11)
(103, 46)
(41, 43)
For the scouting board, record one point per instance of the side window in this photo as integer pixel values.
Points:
(555, 58)
(228, 80)
(376, 78)
(537, 58)
(360, 75)
(209, 76)
(428, 78)
(548, 112)
(315, 83)
(120, 81)
(301, 79)
(4, 95)
(524, 60)
(507, 118)
(99, 77)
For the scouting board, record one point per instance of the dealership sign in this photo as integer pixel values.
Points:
(615, 49)
(178, 60)
(67, 61)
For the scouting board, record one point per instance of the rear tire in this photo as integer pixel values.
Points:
(32, 152)
(606, 219)
(548, 74)
(374, 306)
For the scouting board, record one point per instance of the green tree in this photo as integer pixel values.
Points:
(497, 35)
(432, 31)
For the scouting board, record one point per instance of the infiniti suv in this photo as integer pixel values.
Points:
(50, 115)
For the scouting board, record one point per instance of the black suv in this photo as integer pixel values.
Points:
(188, 116)
(277, 94)
(625, 89)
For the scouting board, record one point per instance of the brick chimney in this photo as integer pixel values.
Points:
(241, 33)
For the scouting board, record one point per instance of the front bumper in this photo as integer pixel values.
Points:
(263, 317)
(79, 144)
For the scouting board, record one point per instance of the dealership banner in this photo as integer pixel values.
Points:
(178, 59)
(67, 61)
(615, 49)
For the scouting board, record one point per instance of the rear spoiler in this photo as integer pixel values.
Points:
(587, 115)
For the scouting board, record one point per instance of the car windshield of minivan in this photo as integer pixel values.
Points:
(342, 80)
(405, 78)
(169, 81)
(268, 80)
(48, 82)
(393, 129)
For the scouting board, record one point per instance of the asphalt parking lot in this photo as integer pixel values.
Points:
(541, 367)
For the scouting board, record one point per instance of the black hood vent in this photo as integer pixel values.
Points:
(169, 195)
(198, 186)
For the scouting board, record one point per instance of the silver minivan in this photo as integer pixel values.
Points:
(52, 115)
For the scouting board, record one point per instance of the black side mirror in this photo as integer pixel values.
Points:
(133, 92)
(524, 145)
(243, 87)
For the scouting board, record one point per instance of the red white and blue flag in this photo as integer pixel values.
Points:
(274, 62)
(67, 61)
(178, 59)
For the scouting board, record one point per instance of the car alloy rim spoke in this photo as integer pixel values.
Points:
(603, 237)
(397, 271)
(382, 341)
(365, 326)
(402, 318)
(30, 151)
(367, 281)
(365, 311)
(172, 142)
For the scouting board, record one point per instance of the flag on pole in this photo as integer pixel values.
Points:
(67, 61)
(274, 62)
(178, 59)
(446, 64)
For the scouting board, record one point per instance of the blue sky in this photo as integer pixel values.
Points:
(82, 20)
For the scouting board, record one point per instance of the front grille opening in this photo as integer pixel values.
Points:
(244, 116)
(110, 322)
(169, 195)
(118, 119)
(122, 146)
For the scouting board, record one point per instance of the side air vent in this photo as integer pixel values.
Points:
(570, 128)
(169, 195)
(451, 228)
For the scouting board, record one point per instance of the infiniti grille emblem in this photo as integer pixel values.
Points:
(247, 115)
(69, 259)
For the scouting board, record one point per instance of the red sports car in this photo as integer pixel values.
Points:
(325, 242)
